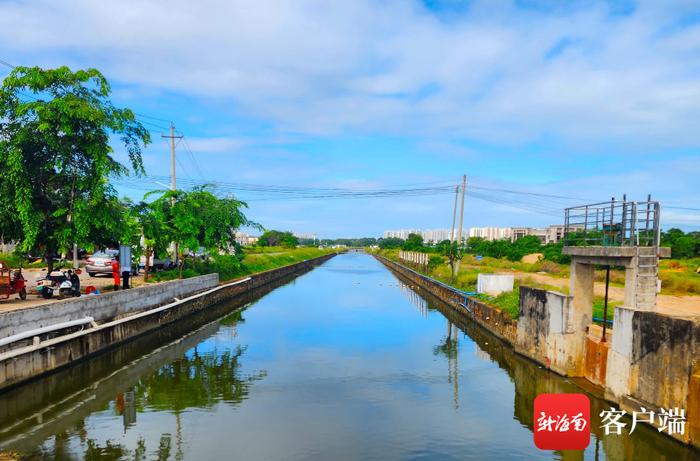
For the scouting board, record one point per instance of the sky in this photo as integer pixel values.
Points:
(582, 99)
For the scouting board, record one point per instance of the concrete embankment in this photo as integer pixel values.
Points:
(113, 318)
(652, 360)
(494, 320)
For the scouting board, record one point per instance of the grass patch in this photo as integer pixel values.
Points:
(598, 308)
(508, 301)
(230, 267)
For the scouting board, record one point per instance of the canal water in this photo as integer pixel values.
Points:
(344, 362)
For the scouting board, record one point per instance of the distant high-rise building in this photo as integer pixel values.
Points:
(429, 235)
(550, 234)
(491, 233)
(437, 235)
(401, 233)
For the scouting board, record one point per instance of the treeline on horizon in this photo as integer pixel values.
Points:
(684, 245)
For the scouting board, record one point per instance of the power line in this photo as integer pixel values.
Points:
(681, 208)
(152, 117)
(192, 156)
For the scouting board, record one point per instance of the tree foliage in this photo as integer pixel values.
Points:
(56, 158)
(414, 242)
(390, 243)
(273, 238)
(193, 219)
(683, 245)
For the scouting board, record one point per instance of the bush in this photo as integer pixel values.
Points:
(435, 261)
(508, 301)
(550, 267)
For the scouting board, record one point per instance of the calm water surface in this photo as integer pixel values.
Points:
(345, 362)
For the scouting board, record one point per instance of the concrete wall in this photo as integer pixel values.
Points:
(550, 332)
(18, 365)
(497, 322)
(654, 362)
(102, 307)
(494, 284)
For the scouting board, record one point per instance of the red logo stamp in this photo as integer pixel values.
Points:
(562, 421)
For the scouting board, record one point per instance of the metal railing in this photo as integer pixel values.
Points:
(613, 223)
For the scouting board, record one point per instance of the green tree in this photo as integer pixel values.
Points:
(444, 247)
(197, 218)
(524, 246)
(682, 245)
(390, 243)
(414, 242)
(154, 236)
(552, 252)
(55, 154)
(273, 238)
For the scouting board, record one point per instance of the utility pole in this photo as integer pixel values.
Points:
(461, 218)
(452, 235)
(173, 182)
(172, 137)
(454, 216)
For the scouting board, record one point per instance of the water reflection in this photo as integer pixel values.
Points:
(345, 362)
(449, 348)
(530, 380)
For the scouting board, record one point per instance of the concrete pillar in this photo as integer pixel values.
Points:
(617, 379)
(581, 288)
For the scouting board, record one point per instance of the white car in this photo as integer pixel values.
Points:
(101, 262)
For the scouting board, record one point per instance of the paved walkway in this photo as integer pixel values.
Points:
(33, 299)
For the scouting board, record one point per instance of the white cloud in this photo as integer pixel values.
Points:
(394, 67)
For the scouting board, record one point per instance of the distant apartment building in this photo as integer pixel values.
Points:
(549, 234)
(401, 233)
(437, 235)
(244, 239)
(491, 233)
(429, 235)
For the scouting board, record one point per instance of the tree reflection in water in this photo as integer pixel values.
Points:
(194, 380)
(197, 381)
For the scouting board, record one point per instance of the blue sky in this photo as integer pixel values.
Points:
(584, 99)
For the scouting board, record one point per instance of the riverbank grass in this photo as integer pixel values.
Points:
(231, 267)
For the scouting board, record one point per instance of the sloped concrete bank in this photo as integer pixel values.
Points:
(50, 351)
(494, 320)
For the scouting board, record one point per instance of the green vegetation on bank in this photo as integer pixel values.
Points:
(274, 238)
(57, 157)
(465, 281)
(678, 276)
(509, 301)
(683, 245)
(230, 267)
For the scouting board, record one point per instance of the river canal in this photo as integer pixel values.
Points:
(344, 362)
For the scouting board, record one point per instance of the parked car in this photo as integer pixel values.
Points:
(101, 262)
(201, 254)
(155, 264)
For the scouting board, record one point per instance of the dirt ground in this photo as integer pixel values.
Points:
(674, 305)
(101, 282)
